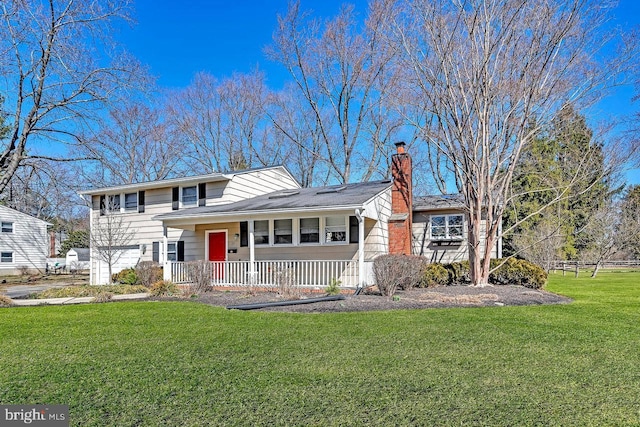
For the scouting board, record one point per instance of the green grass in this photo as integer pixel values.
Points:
(183, 364)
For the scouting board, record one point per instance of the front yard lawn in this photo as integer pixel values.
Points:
(181, 363)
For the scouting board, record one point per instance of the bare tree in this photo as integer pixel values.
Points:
(223, 123)
(132, 144)
(110, 233)
(344, 75)
(542, 244)
(483, 77)
(56, 71)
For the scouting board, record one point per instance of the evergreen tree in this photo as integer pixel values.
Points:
(545, 188)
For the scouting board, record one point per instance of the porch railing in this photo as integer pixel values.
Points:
(272, 274)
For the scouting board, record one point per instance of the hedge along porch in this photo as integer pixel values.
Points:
(309, 236)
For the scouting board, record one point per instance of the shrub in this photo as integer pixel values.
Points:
(5, 301)
(200, 274)
(434, 275)
(517, 272)
(103, 297)
(126, 277)
(397, 271)
(148, 272)
(333, 288)
(164, 288)
(459, 273)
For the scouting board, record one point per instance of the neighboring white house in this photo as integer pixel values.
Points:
(23, 242)
(78, 259)
(257, 226)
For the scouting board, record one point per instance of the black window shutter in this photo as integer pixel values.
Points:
(180, 254)
(244, 234)
(156, 251)
(202, 194)
(353, 229)
(103, 205)
(140, 201)
(175, 198)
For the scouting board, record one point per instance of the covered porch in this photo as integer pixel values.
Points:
(309, 238)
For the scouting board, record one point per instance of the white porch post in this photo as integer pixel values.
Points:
(166, 271)
(252, 253)
(361, 279)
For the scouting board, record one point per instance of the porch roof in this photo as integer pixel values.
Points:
(347, 196)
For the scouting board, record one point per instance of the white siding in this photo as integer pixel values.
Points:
(28, 242)
(377, 213)
(255, 183)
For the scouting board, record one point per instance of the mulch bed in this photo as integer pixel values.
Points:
(440, 297)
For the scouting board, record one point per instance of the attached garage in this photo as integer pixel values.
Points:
(129, 256)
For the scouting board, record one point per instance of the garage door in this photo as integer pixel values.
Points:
(129, 258)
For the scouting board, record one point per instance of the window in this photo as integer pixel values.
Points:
(6, 257)
(261, 232)
(283, 231)
(310, 230)
(446, 227)
(131, 202)
(335, 229)
(172, 251)
(190, 196)
(175, 251)
(113, 203)
(7, 227)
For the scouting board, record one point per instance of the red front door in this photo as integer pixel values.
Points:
(218, 251)
(217, 246)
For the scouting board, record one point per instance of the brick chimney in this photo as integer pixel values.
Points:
(401, 202)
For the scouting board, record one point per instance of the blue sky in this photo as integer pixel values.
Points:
(178, 39)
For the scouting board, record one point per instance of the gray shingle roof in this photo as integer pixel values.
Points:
(335, 196)
(443, 201)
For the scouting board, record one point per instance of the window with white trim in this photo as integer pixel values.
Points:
(261, 232)
(6, 257)
(283, 232)
(190, 196)
(309, 230)
(131, 202)
(335, 229)
(7, 227)
(172, 251)
(447, 227)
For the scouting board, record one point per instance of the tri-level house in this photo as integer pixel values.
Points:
(259, 227)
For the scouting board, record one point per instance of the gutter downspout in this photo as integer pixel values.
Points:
(360, 218)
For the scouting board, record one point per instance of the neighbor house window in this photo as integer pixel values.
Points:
(446, 227)
(261, 232)
(7, 227)
(131, 202)
(335, 229)
(310, 230)
(6, 257)
(189, 196)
